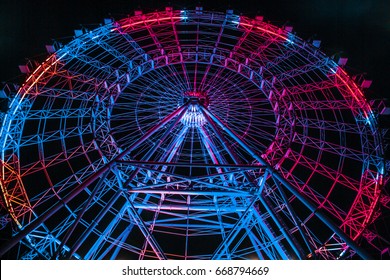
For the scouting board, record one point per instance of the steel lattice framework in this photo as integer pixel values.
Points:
(189, 135)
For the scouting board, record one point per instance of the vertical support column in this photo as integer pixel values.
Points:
(264, 226)
(70, 230)
(121, 238)
(103, 236)
(296, 219)
(102, 213)
(286, 234)
(242, 221)
(216, 159)
(291, 188)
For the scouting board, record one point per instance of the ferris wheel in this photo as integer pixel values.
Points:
(189, 135)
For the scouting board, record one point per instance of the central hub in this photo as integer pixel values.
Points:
(193, 117)
(196, 97)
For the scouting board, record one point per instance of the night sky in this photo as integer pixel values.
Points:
(357, 29)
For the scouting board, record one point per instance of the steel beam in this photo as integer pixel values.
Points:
(143, 228)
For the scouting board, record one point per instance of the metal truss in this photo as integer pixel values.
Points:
(189, 135)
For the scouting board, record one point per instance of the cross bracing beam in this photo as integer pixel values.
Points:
(200, 186)
(231, 193)
(309, 87)
(258, 237)
(324, 170)
(283, 55)
(181, 207)
(322, 65)
(266, 239)
(193, 226)
(337, 126)
(186, 177)
(97, 67)
(318, 105)
(129, 40)
(57, 159)
(100, 40)
(62, 113)
(186, 164)
(44, 242)
(64, 93)
(328, 146)
(204, 217)
(258, 52)
(242, 39)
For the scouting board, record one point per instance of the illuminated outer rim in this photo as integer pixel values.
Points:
(98, 94)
